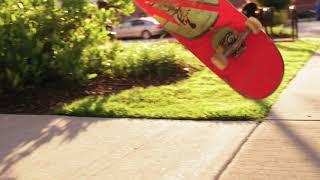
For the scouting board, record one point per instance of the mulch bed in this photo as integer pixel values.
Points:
(45, 100)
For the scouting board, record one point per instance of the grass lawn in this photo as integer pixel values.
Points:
(202, 96)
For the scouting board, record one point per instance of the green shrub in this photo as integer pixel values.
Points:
(146, 61)
(137, 60)
(41, 41)
(100, 59)
(277, 4)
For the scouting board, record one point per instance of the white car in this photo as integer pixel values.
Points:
(144, 27)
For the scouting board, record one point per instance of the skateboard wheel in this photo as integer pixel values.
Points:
(219, 61)
(219, 35)
(254, 25)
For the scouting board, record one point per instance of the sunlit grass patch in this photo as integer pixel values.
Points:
(202, 96)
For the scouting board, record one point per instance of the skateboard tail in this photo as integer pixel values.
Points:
(265, 78)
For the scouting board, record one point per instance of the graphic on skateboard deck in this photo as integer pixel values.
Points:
(228, 43)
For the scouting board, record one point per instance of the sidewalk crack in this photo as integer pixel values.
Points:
(235, 153)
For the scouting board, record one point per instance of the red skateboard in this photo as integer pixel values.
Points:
(228, 43)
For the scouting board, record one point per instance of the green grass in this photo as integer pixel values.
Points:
(202, 96)
(281, 31)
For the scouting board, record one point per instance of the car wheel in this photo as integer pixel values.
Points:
(146, 35)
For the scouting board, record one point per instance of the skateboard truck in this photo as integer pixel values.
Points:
(232, 43)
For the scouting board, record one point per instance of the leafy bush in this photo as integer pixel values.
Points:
(277, 4)
(43, 40)
(136, 60)
(100, 59)
(146, 61)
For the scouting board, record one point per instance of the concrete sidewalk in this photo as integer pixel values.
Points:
(56, 147)
(287, 145)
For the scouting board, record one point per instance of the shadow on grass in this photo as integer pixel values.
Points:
(47, 99)
(92, 106)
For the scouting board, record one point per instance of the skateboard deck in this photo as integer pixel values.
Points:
(228, 43)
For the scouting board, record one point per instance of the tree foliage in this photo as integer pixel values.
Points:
(119, 7)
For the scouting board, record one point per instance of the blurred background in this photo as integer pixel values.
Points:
(279, 17)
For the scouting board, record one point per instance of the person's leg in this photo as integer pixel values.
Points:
(318, 11)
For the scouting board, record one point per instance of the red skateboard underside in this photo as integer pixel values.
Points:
(256, 73)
